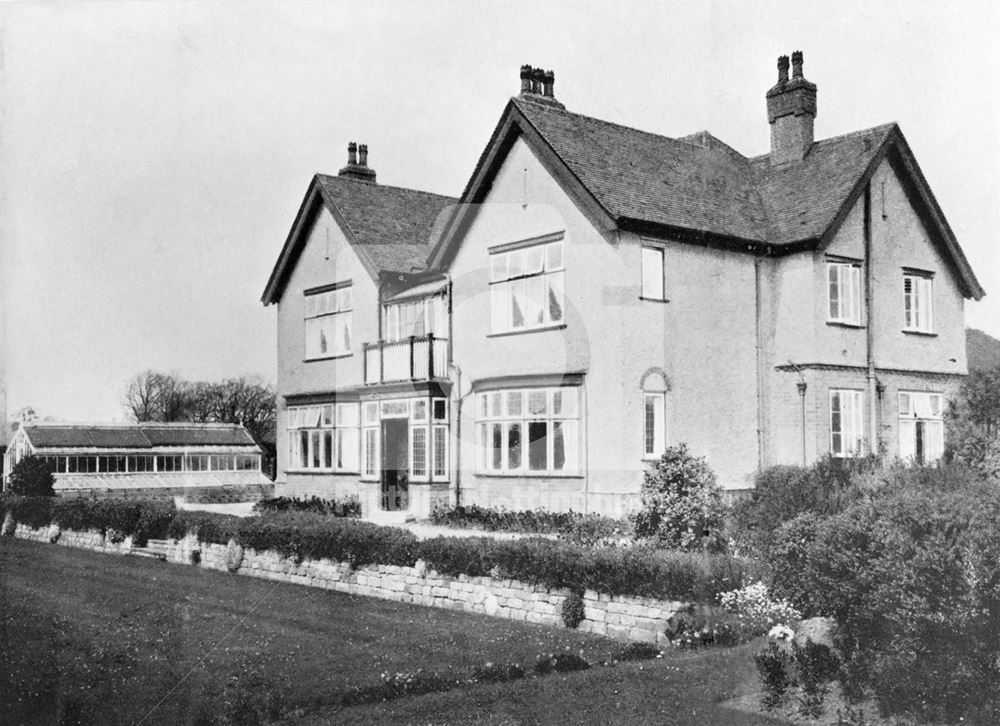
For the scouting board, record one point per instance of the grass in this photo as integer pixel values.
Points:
(86, 638)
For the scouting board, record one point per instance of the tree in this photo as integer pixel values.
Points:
(153, 396)
(973, 432)
(32, 477)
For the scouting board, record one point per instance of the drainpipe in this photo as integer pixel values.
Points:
(758, 336)
(801, 385)
(873, 446)
(456, 415)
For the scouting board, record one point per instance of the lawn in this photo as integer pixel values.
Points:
(92, 638)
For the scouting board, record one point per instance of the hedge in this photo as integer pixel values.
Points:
(33, 511)
(639, 570)
(571, 526)
(348, 507)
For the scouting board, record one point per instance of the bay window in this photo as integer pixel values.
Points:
(525, 431)
(526, 287)
(324, 437)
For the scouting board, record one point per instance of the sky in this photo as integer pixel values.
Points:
(153, 154)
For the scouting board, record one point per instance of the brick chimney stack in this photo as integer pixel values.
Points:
(538, 85)
(791, 110)
(358, 168)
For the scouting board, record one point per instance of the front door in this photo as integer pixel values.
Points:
(395, 464)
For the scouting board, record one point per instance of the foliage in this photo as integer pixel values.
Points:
(141, 519)
(32, 477)
(210, 527)
(781, 493)
(756, 610)
(234, 556)
(572, 610)
(637, 651)
(34, 512)
(560, 663)
(497, 672)
(570, 526)
(9, 526)
(399, 685)
(349, 507)
(776, 675)
(681, 502)
(973, 423)
(690, 631)
(912, 575)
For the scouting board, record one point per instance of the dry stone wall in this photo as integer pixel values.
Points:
(620, 617)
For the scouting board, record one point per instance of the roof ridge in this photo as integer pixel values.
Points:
(334, 177)
(839, 137)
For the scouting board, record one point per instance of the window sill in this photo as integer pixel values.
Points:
(327, 357)
(921, 333)
(526, 331)
(322, 471)
(844, 324)
(654, 299)
(525, 475)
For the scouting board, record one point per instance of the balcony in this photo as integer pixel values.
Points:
(411, 359)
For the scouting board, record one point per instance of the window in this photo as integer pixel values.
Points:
(844, 284)
(418, 452)
(417, 318)
(528, 430)
(440, 452)
(653, 425)
(918, 313)
(328, 322)
(526, 287)
(247, 462)
(846, 423)
(222, 462)
(921, 426)
(324, 438)
(652, 273)
(170, 462)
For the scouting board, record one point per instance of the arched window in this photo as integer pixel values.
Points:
(654, 404)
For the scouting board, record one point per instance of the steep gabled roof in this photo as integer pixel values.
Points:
(697, 188)
(390, 228)
(135, 436)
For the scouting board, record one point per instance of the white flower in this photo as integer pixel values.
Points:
(781, 632)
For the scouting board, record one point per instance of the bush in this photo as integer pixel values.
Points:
(497, 672)
(756, 611)
(399, 685)
(35, 512)
(681, 503)
(32, 477)
(774, 666)
(141, 519)
(912, 575)
(571, 526)
(573, 612)
(560, 663)
(689, 631)
(234, 556)
(209, 527)
(350, 507)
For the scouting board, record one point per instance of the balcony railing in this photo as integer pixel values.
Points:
(411, 359)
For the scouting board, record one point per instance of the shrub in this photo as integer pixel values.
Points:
(560, 663)
(349, 507)
(141, 519)
(32, 477)
(497, 672)
(573, 612)
(9, 525)
(637, 651)
(588, 529)
(35, 512)
(756, 610)
(681, 502)
(774, 666)
(209, 527)
(689, 631)
(234, 556)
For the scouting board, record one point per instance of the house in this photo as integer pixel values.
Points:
(191, 460)
(598, 293)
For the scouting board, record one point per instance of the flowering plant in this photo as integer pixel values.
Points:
(756, 610)
(780, 632)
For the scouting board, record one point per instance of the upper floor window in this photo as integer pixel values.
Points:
(921, 426)
(918, 308)
(526, 287)
(652, 273)
(844, 283)
(328, 321)
(524, 431)
(846, 422)
(418, 318)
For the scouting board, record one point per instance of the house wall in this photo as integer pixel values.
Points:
(702, 341)
(835, 356)
(327, 257)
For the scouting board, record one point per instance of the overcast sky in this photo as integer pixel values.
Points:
(153, 155)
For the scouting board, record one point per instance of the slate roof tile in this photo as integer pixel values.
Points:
(136, 436)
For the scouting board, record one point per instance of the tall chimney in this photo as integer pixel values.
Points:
(358, 169)
(539, 85)
(526, 72)
(791, 110)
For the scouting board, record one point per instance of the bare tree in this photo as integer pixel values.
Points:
(153, 396)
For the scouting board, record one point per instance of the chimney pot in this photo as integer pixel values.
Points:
(797, 64)
(548, 84)
(537, 77)
(526, 72)
(356, 169)
(363, 155)
(352, 151)
(783, 69)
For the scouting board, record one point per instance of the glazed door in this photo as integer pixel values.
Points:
(395, 464)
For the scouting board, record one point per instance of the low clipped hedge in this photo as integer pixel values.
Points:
(33, 511)
(638, 570)
(571, 526)
(348, 507)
